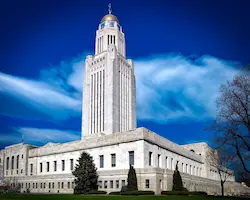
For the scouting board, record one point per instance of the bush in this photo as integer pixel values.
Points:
(138, 192)
(115, 193)
(175, 193)
(186, 193)
(124, 188)
(90, 192)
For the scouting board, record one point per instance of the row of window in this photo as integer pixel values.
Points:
(12, 162)
(131, 155)
(71, 163)
(11, 172)
(169, 164)
(116, 184)
(50, 185)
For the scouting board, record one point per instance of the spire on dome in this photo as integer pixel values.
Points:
(110, 8)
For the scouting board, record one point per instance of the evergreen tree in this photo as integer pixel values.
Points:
(86, 175)
(177, 180)
(132, 179)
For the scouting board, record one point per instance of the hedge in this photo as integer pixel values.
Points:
(133, 193)
(91, 192)
(185, 193)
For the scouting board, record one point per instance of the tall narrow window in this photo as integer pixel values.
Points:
(101, 161)
(41, 167)
(12, 162)
(159, 158)
(113, 160)
(117, 183)
(131, 158)
(47, 166)
(17, 161)
(105, 184)
(166, 162)
(123, 182)
(147, 183)
(55, 166)
(111, 184)
(31, 169)
(71, 164)
(63, 165)
(150, 158)
(7, 163)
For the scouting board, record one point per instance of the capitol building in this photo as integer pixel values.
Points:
(110, 135)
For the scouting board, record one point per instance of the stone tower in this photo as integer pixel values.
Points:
(109, 96)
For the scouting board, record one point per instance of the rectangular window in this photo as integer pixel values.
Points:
(36, 185)
(150, 158)
(33, 185)
(44, 185)
(111, 184)
(63, 165)
(62, 185)
(47, 166)
(117, 184)
(172, 163)
(53, 185)
(123, 182)
(159, 158)
(166, 164)
(71, 164)
(68, 185)
(100, 184)
(41, 167)
(55, 166)
(31, 169)
(49, 185)
(101, 161)
(147, 183)
(58, 185)
(105, 184)
(41, 185)
(131, 158)
(113, 160)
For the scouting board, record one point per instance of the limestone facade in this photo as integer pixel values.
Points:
(110, 135)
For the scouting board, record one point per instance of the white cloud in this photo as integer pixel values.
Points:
(169, 87)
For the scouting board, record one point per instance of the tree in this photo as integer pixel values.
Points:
(86, 175)
(220, 162)
(132, 179)
(177, 180)
(232, 126)
(244, 177)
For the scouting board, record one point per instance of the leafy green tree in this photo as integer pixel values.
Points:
(86, 175)
(177, 181)
(132, 179)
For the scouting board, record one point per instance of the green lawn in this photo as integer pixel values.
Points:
(106, 197)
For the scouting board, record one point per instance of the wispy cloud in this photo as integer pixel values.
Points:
(169, 87)
(38, 136)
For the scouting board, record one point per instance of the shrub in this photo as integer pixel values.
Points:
(124, 188)
(198, 193)
(115, 193)
(132, 179)
(138, 192)
(175, 193)
(97, 192)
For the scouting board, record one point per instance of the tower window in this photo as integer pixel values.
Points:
(101, 161)
(131, 158)
(113, 160)
(150, 158)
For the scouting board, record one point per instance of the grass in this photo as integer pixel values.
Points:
(105, 197)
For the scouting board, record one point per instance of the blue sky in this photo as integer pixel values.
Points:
(183, 51)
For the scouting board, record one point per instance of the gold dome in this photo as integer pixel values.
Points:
(110, 17)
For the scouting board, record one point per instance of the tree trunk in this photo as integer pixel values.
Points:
(222, 188)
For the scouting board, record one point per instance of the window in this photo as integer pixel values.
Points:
(63, 165)
(113, 159)
(71, 164)
(21, 171)
(172, 163)
(29, 185)
(131, 158)
(49, 185)
(58, 185)
(105, 184)
(12, 162)
(117, 184)
(101, 161)
(62, 185)
(150, 158)
(47, 166)
(68, 185)
(41, 167)
(44, 185)
(166, 164)
(31, 169)
(41, 185)
(147, 183)
(22, 156)
(17, 161)
(100, 184)
(53, 185)
(55, 166)
(123, 182)
(7, 163)
(36, 185)
(72, 184)
(111, 184)
(22, 185)
(159, 158)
